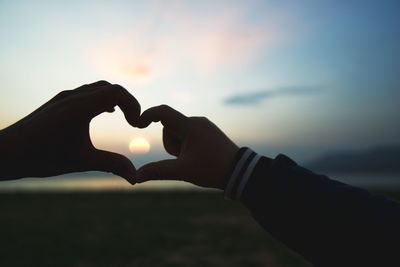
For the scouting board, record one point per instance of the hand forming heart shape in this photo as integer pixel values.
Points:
(55, 139)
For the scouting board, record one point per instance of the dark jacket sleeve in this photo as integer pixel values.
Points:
(328, 222)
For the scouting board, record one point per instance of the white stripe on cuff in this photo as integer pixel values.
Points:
(247, 175)
(235, 173)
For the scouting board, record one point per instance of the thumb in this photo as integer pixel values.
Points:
(117, 164)
(169, 169)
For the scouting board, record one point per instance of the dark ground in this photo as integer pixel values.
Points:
(134, 229)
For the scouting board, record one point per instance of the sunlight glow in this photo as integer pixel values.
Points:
(139, 146)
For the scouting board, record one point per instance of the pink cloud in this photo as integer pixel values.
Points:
(179, 38)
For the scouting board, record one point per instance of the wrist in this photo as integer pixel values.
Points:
(241, 171)
(224, 163)
(235, 159)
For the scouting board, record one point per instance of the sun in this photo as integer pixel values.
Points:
(139, 146)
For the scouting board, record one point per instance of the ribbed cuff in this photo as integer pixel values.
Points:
(246, 161)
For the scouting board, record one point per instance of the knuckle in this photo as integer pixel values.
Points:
(63, 94)
(197, 125)
(201, 119)
(163, 107)
(95, 84)
(204, 119)
(118, 89)
(102, 82)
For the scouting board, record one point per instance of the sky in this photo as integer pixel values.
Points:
(296, 77)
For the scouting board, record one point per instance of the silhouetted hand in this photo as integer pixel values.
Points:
(204, 153)
(55, 138)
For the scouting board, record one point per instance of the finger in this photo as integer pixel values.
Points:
(106, 98)
(110, 110)
(115, 163)
(169, 117)
(61, 95)
(97, 84)
(84, 88)
(68, 93)
(172, 143)
(169, 169)
(91, 86)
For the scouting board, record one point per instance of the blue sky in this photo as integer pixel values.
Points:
(316, 75)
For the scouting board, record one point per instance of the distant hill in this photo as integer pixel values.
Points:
(385, 159)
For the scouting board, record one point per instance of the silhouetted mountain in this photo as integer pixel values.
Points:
(385, 159)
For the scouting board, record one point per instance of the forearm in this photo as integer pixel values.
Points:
(326, 221)
(11, 166)
(4, 150)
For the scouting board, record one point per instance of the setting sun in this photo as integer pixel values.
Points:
(139, 146)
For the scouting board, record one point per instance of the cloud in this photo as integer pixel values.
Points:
(256, 97)
(178, 38)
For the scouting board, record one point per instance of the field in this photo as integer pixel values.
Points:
(134, 229)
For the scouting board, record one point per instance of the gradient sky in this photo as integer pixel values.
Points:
(299, 77)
